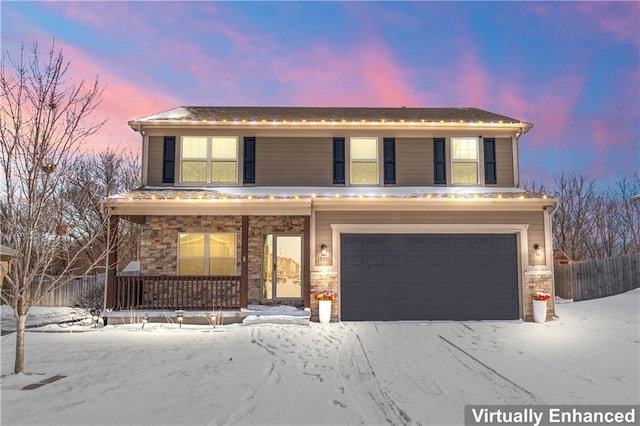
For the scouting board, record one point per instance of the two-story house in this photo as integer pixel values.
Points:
(403, 213)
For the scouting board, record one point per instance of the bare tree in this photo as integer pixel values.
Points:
(103, 174)
(573, 219)
(628, 214)
(592, 223)
(44, 117)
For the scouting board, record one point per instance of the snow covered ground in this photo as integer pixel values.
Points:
(346, 373)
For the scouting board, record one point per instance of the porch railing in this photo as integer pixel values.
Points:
(160, 292)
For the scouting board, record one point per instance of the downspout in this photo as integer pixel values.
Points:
(553, 275)
(144, 155)
(516, 159)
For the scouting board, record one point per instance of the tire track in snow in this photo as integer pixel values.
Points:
(249, 401)
(516, 388)
(360, 382)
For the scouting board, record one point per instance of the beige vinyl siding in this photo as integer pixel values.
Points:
(414, 161)
(156, 147)
(306, 159)
(535, 220)
(504, 162)
(294, 161)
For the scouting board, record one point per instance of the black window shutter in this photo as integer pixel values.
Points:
(389, 160)
(439, 161)
(169, 159)
(490, 176)
(249, 174)
(338, 160)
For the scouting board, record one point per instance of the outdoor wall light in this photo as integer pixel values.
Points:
(323, 249)
(537, 248)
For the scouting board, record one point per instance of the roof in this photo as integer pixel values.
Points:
(327, 115)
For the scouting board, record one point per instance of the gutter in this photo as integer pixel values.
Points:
(553, 287)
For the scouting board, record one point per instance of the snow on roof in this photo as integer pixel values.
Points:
(299, 192)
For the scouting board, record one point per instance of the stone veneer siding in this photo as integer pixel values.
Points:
(159, 245)
(537, 281)
(321, 282)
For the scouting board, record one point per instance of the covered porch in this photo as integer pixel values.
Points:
(160, 287)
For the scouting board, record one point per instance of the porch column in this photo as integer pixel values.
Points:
(112, 261)
(306, 289)
(244, 265)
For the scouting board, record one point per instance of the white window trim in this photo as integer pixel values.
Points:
(476, 161)
(207, 256)
(209, 160)
(378, 162)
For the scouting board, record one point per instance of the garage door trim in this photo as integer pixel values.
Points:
(519, 229)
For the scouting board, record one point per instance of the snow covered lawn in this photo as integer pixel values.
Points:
(347, 373)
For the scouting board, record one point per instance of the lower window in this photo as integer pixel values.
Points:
(207, 254)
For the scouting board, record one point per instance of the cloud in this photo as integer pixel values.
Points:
(615, 20)
(360, 74)
(121, 101)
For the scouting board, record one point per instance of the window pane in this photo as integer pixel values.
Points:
(364, 173)
(464, 148)
(267, 268)
(224, 148)
(194, 147)
(191, 245)
(222, 245)
(191, 266)
(364, 149)
(223, 172)
(194, 171)
(222, 266)
(465, 173)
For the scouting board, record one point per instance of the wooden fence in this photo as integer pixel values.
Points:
(597, 278)
(67, 294)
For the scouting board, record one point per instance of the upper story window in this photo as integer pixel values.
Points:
(209, 159)
(364, 161)
(464, 161)
(207, 254)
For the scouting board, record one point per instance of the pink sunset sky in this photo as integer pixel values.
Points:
(570, 68)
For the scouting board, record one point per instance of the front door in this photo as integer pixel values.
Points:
(282, 269)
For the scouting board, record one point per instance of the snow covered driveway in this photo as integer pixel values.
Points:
(347, 373)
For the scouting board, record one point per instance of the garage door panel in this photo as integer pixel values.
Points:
(351, 258)
(395, 259)
(352, 274)
(395, 273)
(439, 258)
(374, 259)
(429, 277)
(373, 241)
(395, 242)
(417, 242)
(417, 259)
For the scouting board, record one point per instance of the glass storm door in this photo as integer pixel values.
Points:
(282, 268)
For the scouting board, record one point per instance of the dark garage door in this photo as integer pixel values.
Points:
(428, 277)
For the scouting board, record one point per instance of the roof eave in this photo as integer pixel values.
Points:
(522, 127)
